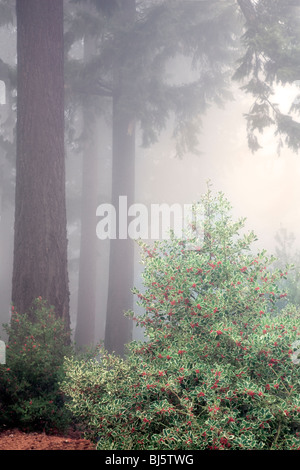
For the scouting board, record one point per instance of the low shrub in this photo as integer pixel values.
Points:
(30, 396)
(217, 369)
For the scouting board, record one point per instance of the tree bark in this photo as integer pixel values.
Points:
(40, 240)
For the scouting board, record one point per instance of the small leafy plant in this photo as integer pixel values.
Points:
(215, 370)
(30, 397)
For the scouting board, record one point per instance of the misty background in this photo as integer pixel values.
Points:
(263, 187)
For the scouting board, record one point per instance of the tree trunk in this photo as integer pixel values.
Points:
(7, 167)
(40, 241)
(118, 330)
(121, 261)
(248, 10)
(6, 247)
(86, 306)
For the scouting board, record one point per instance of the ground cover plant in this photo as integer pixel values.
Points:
(218, 368)
(30, 396)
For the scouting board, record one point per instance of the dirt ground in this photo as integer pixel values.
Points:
(17, 440)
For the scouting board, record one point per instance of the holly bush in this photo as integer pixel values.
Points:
(217, 368)
(30, 396)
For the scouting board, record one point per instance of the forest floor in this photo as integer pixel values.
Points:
(14, 439)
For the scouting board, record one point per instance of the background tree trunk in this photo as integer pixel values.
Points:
(40, 242)
(86, 306)
(121, 261)
(7, 166)
(118, 330)
(6, 246)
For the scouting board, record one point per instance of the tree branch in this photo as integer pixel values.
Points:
(248, 10)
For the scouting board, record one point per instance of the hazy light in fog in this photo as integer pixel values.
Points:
(263, 187)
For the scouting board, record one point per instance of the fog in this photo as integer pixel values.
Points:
(263, 187)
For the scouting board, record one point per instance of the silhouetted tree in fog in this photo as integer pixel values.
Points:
(147, 40)
(140, 39)
(40, 240)
(87, 283)
(7, 164)
(121, 263)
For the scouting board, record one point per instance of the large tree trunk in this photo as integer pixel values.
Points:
(118, 331)
(40, 242)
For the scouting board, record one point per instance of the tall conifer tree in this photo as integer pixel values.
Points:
(40, 239)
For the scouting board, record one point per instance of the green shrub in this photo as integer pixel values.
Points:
(30, 397)
(216, 370)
